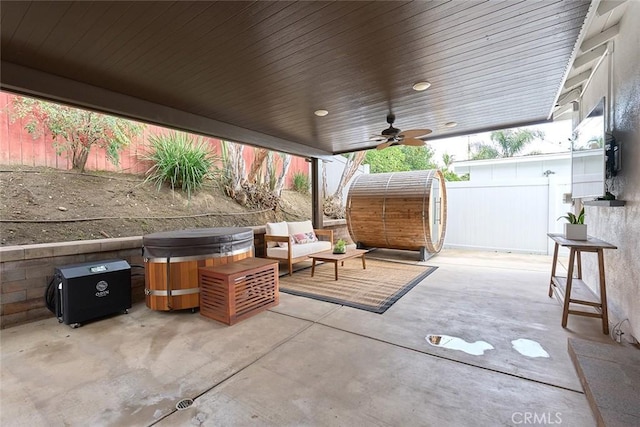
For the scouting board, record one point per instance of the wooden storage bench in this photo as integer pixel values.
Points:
(232, 292)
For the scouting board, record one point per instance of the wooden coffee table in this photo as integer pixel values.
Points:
(329, 256)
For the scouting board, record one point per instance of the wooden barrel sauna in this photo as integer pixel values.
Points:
(172, 259)
(398, 210)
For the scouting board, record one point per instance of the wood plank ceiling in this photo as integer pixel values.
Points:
(255, 72)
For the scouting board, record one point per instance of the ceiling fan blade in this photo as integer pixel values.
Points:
(384, 145)
(413, 142)
(415, 133)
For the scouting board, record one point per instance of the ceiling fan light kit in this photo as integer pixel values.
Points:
(377, 138)
(394, 136)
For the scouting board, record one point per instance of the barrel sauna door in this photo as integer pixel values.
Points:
(435, 213)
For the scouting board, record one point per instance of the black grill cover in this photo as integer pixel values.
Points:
(197, 241)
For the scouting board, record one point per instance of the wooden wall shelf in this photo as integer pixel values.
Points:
(605, 203)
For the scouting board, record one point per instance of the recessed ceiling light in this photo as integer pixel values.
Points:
(321, 113)
(451, 124)
(420, 86)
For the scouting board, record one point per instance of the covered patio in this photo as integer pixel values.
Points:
(307, 362)
(312, 79)
(255, 73)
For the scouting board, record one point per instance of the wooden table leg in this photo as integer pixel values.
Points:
(567, 291)
(553, 269)
(579, 260)
(335, 263)
(364, 263)
(603, 293)
(313, 267)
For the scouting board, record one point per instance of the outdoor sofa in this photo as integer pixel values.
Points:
(295, 241)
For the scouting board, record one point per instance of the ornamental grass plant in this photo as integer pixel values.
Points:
(301, 182)
(180, 160)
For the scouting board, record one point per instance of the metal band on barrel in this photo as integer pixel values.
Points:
(176, 292)
(198, 257)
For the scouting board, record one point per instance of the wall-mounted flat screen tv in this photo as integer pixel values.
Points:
(588, 161)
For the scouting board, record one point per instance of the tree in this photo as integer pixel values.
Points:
(447, 160)
(325, 182)
(452, 176)
(482, 151)
(505, 143)
(418, 158)
(354, 160)
(75, 131)
(511, 141)
(261, 187)
(399, 158)
(333, 206)
(387, 160)
(280, 182)
(259, 156)
(234, 168)
(449, 175)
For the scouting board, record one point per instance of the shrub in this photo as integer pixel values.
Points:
(301, 182)
(74, 130)
(180, 160)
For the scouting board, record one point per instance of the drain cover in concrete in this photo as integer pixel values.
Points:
(184, 404)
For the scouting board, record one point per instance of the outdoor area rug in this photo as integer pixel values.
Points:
(375, 289)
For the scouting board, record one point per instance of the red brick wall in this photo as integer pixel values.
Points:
(18, 147)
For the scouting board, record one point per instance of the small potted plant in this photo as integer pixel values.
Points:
(575, 229)
(340, 247)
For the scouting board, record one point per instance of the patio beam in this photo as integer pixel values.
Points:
(589, 57)
(31, 82)
(577, 80)
(608, 5)
(600, 38)
(567, 97)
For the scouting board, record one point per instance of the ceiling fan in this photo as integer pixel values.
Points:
(393, 136)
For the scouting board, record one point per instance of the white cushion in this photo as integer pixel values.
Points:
(299, 227)
(277, 229)
(299, 250)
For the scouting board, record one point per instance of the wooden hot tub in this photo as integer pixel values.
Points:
(398, 210)
(172, 259)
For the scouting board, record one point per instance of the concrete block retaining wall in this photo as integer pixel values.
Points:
(25, 271)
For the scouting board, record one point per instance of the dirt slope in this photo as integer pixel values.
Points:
(120, 205)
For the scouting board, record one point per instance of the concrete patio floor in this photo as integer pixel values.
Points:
(307, 362)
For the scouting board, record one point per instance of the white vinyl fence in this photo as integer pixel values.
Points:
(334, 173)
(500, 216)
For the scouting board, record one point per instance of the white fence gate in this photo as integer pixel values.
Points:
(500, 216)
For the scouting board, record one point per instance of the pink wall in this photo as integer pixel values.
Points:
(18, 147)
